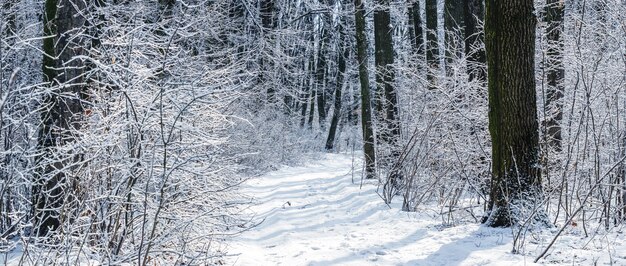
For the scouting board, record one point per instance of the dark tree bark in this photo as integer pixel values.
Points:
(341, 65)
(474, 37)
(320, 76)
(555, 72)
(311, 108)
(384, 57)
(415, 30)
(432, 45)
(323, 85)
(366, 112)
(7, 35)
(268, 24)
(516, 176)
(303, 106)
(62, 110)
(8, 14)
(454, 26)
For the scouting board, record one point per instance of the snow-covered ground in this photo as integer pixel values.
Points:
(316, 215)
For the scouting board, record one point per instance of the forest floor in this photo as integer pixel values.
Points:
(320, 214)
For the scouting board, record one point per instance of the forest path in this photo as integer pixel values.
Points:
(315, 215)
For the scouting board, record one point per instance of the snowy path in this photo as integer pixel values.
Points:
(314, 215)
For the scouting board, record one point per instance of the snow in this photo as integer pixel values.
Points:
(315, 215)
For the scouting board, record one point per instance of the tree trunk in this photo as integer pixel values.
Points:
(415, 22)
(453, 24)
(268, 22)
(366, 112)
(474, 37)
(312, 108)
(62, 111)
(432, 45)
(555, 72)
(384, 72)
(320, 75)
(343, 54)
(7, 34)
(516, 175)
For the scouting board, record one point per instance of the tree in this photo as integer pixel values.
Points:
(415, 27)
(474, 13)
(432, 45)
(7, 35)
(366, 112)
(321, 68)
(62, 108)
(513, 125)
(268, 23)
(453, 25)
(555, 72)
(344, 53)
(384, 57)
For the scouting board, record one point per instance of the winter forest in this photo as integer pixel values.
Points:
(312, 132)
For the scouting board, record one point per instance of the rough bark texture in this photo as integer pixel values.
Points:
(366, 112)
(555, 72)
(474, 36)
(416, 32)
(63, 108)
(432, 45)
(516, 177)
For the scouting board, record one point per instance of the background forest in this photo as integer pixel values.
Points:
(127, 126)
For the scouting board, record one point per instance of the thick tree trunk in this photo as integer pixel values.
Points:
(516, 175)
(555, 72)
(432, 45)
(366, 112)
(474, 37)
(62, 112)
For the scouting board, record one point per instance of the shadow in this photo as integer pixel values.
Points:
(453, 253)
(456, 252)
(361, 255)
(287, 189)
(271, 218)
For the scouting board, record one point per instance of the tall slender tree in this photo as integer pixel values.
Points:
(432, 45)
(474, 13)
(516, 177)
(384, 57)
(415, 27)
(366, 111)
(321, 71)
(268, 24)
(454, 26)
(555, 72)
(62, 109)
(344, 53)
